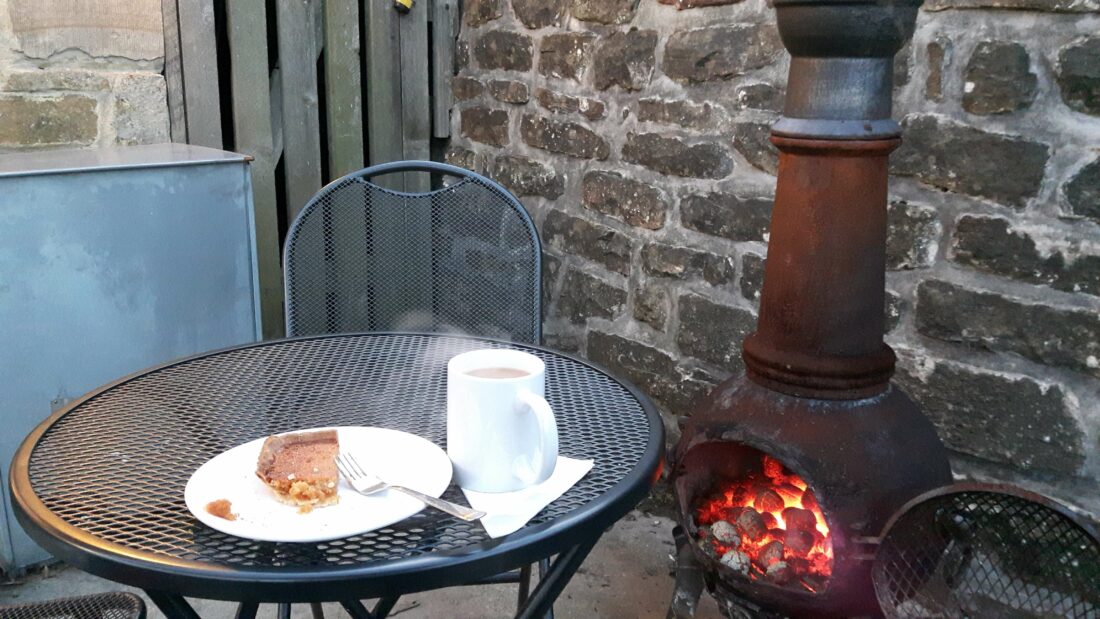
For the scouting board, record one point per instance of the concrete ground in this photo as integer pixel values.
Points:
(625, 577)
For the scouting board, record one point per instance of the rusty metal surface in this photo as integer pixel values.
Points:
(863, 458)
(819, 332)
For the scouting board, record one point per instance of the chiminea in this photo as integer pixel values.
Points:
(781, 473)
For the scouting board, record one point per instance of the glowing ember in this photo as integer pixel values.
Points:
(768, 526)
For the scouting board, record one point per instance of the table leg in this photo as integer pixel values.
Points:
(173, 606)
(356, 609)
(247, 610)
(384, 606)
(524, 585)
(316, 610)
(554, 580)
(284, 611)
(544, 566)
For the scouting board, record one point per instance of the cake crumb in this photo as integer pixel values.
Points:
(221, 508)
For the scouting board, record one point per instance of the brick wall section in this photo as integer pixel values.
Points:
(87, 80)
(636, 133)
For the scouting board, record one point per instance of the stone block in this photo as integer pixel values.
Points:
(752, 276)
(941, 153)
(1083, 191)
(671, 155)
(713, 332)
(526, 177)
(565, 54)
(998, 79)
(41, 80)
(936, 54)
(539, 13)
(994, 246)
(651, 306)
(912, 236)
(485, 125)
(634, 202)
(997, 416)
(691, 4)
(567, 138)
(1048, 334)
(759, 96)
(35, 120)
(664, 260)
(1079, 75)
(753, 141)
(585, 296)
(596, 242)
(720, 52)
(501, 49)
(625, 59)
(1053, 6)
(478, 12)
(654, 371)
(727, 215)
(683, 113)
(610, 12)
(465, 88)
(121, 34)
(649, 368)
(510, 91)
(464, 158)
(141, 115)
(561, 103)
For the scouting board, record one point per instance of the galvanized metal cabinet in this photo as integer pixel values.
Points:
(112, 260)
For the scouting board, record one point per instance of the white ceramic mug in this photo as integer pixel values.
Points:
(501, 433)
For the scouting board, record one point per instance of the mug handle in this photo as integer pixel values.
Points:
(548, 435)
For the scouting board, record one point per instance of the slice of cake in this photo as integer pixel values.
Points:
(301, 468)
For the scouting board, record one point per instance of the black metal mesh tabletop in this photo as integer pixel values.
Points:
(101, 484)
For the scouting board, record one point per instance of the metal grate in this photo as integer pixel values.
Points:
(987, 554)
(116, 465)
(101, 606)
(462, 259)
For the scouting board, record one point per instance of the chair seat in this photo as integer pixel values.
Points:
(115, 605)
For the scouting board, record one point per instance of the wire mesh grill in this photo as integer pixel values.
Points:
(116, 465)
(102, 606)
(987, 554)
(461, 259)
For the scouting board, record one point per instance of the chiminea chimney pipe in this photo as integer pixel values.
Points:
(819, 332)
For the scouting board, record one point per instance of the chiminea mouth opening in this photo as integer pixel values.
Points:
(755, 521)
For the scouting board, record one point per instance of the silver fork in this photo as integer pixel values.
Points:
(366, 483)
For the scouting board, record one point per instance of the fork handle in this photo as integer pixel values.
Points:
(458, 511)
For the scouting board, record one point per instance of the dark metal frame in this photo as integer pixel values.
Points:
(167, 580)
(432, 167)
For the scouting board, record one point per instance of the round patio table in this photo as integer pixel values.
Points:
(100, 483)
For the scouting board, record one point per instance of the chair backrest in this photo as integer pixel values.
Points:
(465, 258)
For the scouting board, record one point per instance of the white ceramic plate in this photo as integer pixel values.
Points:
(397, 457)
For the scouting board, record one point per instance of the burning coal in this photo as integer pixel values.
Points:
(768, 526)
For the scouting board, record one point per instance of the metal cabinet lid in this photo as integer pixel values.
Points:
(114, 158)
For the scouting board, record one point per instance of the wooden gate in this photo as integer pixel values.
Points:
(312, 90)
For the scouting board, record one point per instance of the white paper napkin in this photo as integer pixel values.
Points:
(507, 512)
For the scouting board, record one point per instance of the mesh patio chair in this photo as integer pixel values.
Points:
(117, 605)
(465, 258)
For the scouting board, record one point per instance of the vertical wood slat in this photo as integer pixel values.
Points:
(198, 50)
(342, 87)
(384, 116)
(416, 119)
(173, 71)
(301, 126)
(253, 135)
(443, 17)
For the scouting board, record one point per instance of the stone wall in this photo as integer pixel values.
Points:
(81, 73)
(636, 133)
